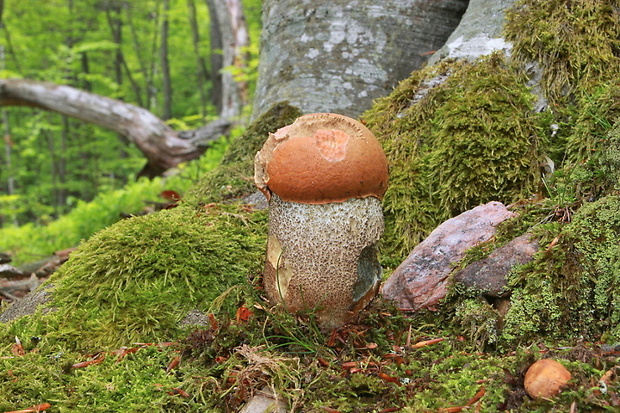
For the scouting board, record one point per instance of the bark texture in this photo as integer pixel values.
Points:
(337, 56)
(479, 32)
(163, 147)
(229, 34)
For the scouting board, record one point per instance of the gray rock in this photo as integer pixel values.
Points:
(264, 401)
(490, 274)
(27, 305)
(420, 282)
(8, 271)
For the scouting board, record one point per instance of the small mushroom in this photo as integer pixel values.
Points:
(545, 379)
(324, 176)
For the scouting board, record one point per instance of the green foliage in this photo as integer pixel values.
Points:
(456, 135)
(234, 178)
(31, 241)
(55, 161)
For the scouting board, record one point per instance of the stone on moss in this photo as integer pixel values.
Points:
(421, 281)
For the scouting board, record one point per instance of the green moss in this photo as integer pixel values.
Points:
(610, 157)
(571, 288)
(137, 383)
(135, 280)
(575, 43)
(456, 135)
(234, 178)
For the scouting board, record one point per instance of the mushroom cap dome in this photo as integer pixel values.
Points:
(322, 158)
(545, 378)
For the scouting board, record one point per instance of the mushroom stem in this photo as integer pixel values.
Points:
(324, 176)
(323, 256)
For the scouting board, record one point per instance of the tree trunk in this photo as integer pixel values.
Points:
(165, 66)
(163, 147)
(337, 56)
(138, 49)
(479, 32)
(228, 33)
(201, 68)
(113, 15)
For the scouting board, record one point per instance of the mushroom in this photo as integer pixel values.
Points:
(545, 379)
(324, 176)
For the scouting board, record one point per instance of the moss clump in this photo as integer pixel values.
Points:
(575, 43)
(610, 158)
(572, 287)
(137, 383)
(234, 178)
(456, 135)
(575, 46)
(135, 280)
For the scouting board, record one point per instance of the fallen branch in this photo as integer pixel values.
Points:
(163, 147)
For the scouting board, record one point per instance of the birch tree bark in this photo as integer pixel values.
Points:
(337, 56)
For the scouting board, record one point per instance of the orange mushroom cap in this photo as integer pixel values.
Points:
(545, 378)
(322, 158)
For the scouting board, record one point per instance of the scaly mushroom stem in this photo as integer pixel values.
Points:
(324, 176)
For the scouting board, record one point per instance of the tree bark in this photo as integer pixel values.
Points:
(479, 33)
(113, 15)
(201, 68)
(228, 33)
(163, 147)
(338, 56)
(165, 66)
(138, 49)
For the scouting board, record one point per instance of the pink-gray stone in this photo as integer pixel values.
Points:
(489, 275)
(420, 282)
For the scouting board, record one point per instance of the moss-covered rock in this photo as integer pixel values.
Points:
(456, 135)
(575, 43)
(135, 280)
(572, 288)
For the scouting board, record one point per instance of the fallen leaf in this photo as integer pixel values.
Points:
(388, 378)
(425, 343)
(243, 314)
(33, 409)
(17, 349)
(173, 364)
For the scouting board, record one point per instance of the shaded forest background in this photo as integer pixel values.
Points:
(156, 54)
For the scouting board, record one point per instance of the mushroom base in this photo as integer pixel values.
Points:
(323, 257)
